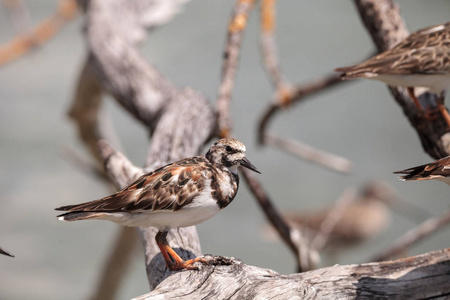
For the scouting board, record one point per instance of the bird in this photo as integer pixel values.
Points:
(438, 170)
(420, 60)
(4, 252)
(365, 217)
(180, 194)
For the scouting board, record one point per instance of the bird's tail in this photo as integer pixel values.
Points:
(79, 215)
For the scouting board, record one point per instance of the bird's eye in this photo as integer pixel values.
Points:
(228, 148)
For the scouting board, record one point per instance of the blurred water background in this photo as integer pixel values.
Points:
(359, 121)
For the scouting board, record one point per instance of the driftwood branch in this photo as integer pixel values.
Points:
(424, 276)
(143, 92)
(383, 21)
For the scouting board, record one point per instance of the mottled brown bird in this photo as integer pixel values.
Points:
(181, 194)
(363, 218)
(421, 60)
(438, 170)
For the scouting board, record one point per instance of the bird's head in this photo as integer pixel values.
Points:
(230, 153)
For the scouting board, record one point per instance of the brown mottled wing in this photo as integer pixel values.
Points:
(168, 188)
(426, 51)
(439, 168)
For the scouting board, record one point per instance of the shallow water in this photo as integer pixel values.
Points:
(358, 121)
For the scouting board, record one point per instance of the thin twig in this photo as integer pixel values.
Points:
(298, 94)
(328, 160)
(295, 241)
(414, 236)
(269, 53)
(333, 217)
(40, 34)
(116, 265)
(236, 26)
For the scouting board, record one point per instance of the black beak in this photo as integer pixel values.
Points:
(246, 163)
(5, 252)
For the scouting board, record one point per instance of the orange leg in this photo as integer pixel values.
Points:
(427, 113)
(414, 98)
(442, 109)
(173, 260)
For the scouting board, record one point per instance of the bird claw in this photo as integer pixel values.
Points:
(187, 265)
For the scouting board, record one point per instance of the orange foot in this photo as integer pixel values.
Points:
(186, 264)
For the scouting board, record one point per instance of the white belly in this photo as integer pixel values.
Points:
(436, 83)
(199, 210)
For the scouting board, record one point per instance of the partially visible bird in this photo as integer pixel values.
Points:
(421, 60)
(365, 217)
(181, 194)
(438, 170)
(4, 252)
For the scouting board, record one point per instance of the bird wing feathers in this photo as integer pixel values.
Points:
(437, 169)
(426, 51)
(167, 188)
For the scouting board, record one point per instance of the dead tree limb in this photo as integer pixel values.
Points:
(383, 21)
(112, 38)
(424, 276)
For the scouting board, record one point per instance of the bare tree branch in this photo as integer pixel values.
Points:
(322, 158)
(298, 94)
(414, 236)
(332, 218)
(420, 277)
(269, 52)
(117, 264)
(238, 23)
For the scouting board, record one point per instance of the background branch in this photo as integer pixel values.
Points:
(24, 43)
(413, 236)
(236, 26)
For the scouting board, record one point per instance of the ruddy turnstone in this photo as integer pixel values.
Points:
(181, 194)
(438, 170)
(4, 252)
(421, 60)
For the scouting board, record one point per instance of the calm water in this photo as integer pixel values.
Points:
(359, 121)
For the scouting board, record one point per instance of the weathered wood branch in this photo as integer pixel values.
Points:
(149, 97)
(424, 276)
(383, 21)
